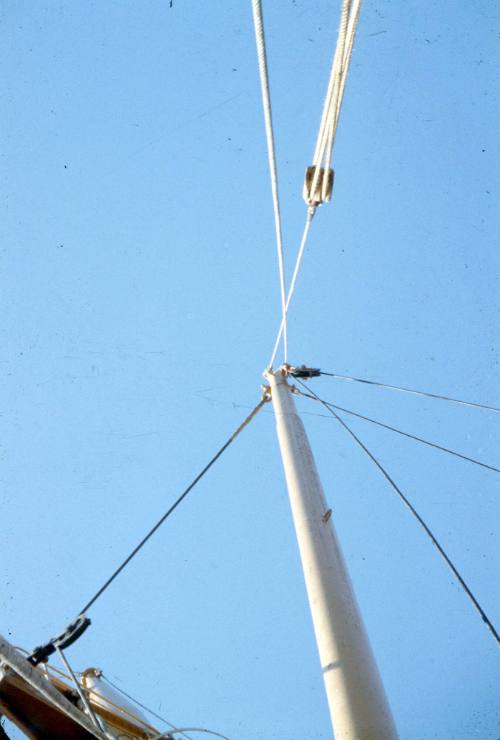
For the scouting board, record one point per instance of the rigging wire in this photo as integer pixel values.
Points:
(415, 513)
(260, 40)
(96, 721)
(181, 730)
(139, 704)
(303, 241)
(174, 505)
(412, 391)
(405, 434)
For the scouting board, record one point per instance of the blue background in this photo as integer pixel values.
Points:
(139, 307)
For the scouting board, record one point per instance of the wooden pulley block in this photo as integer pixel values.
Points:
(324, 186)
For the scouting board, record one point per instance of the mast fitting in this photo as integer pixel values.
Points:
(266, 393)
(70, 635)
(301, 371)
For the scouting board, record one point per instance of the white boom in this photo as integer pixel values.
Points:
(358, 705)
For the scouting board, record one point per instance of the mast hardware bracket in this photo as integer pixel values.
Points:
(302, 371)
(70, 635)
(266, 393)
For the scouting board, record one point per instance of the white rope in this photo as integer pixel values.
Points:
(326, 137)
(266, 104)
(334, 96)
(338, 76)
(351, 35)
(335, 73)
(298, 262)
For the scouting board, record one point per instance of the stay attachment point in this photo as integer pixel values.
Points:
(302, 371)
(70, 635)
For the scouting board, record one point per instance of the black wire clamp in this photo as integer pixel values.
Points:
(70, 635)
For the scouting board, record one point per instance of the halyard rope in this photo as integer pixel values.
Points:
(314, 194)
(268, 120)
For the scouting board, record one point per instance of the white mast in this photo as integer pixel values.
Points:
(355, 694)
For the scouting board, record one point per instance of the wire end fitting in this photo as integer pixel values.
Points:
(266, 393)
(72, 632)
(301, 372)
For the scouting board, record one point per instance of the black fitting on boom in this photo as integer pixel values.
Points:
(70, 635)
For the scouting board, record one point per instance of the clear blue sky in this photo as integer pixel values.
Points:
(139, 307)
